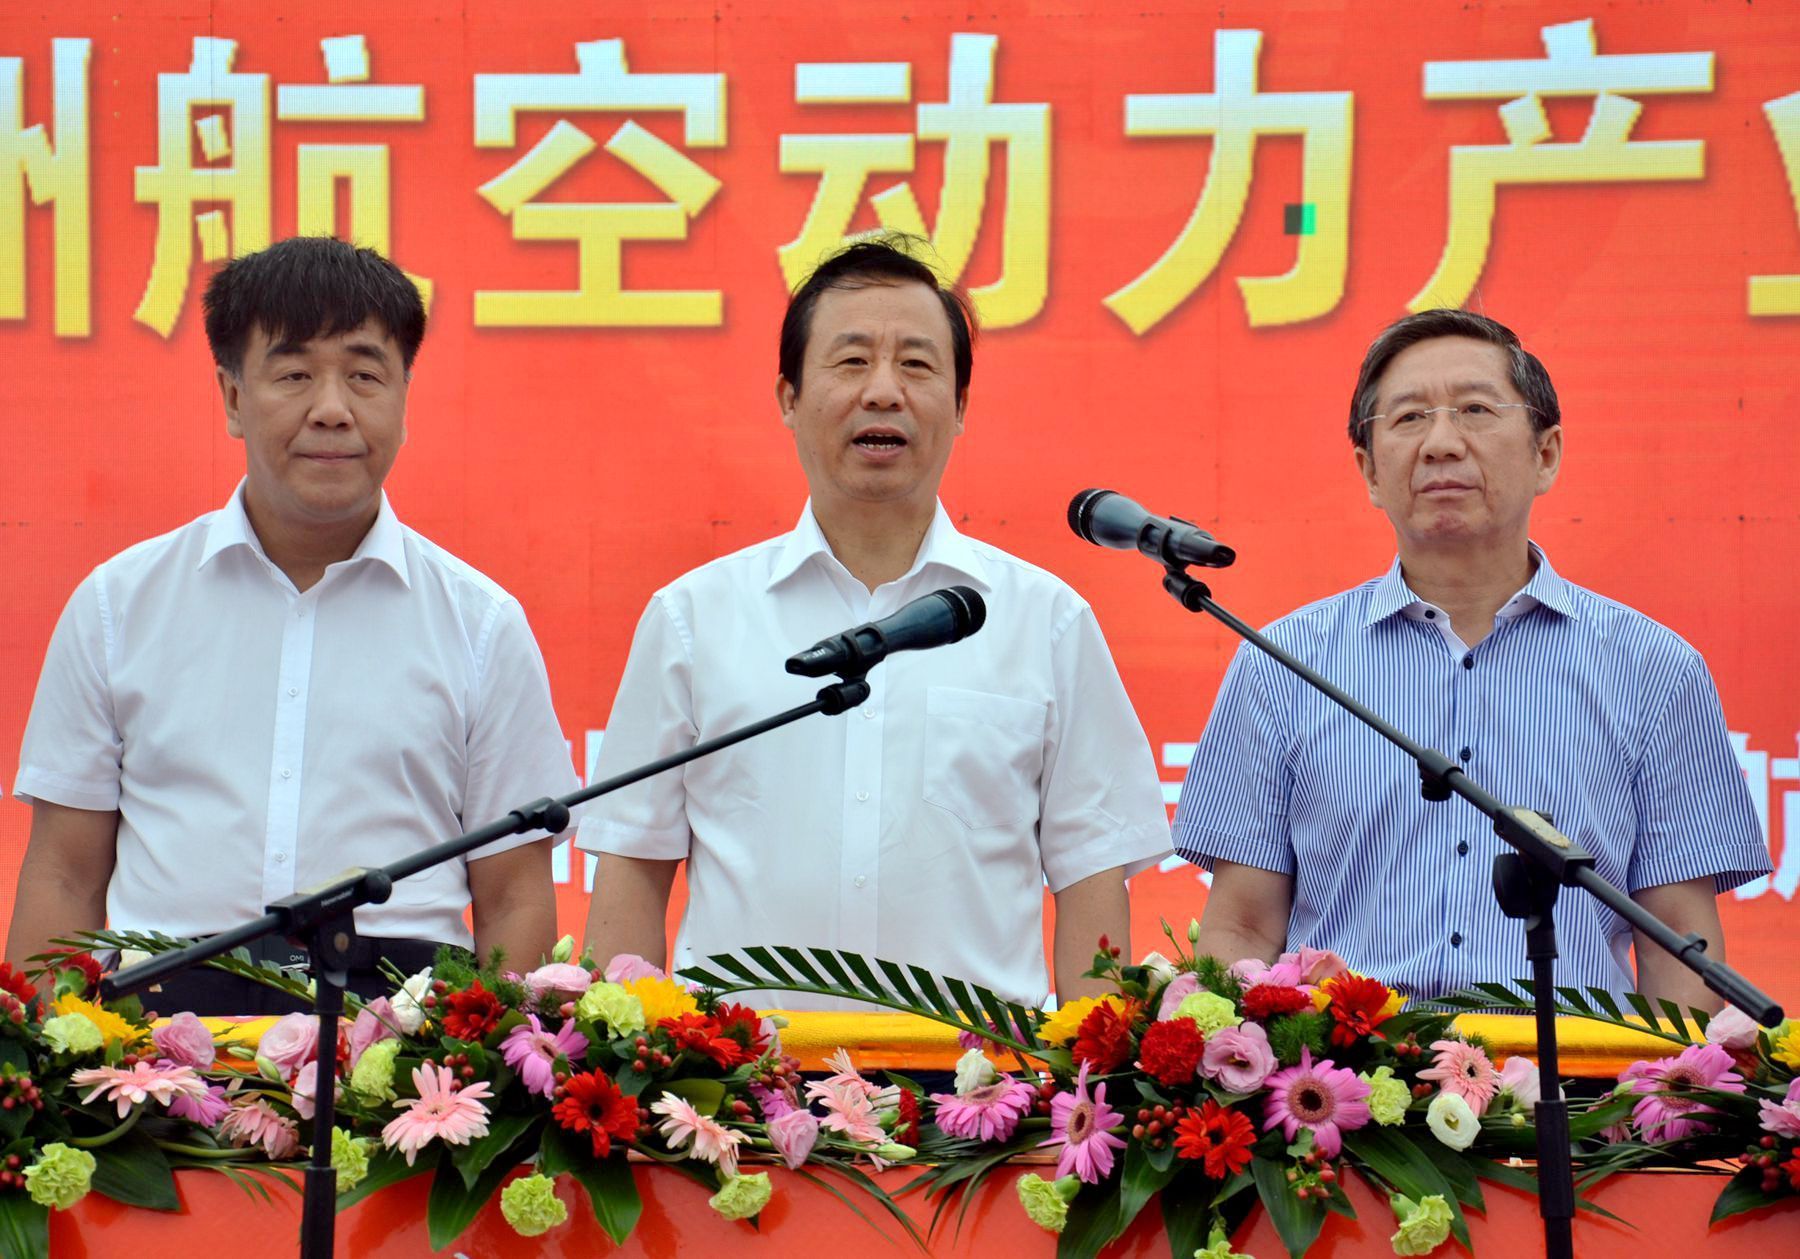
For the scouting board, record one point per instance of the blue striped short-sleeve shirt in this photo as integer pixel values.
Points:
(1575, 705)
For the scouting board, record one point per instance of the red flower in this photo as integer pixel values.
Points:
(68, 959)
(1103, 1040)
(592, 1103)
(906, 1126)
(744, 1025)
(1358, 1006)
(1265, 1001)
(1792, 1168)
(702, 1035)
(473, 1013)
(1170, 1051)
(14, 981)
(1221, 1138)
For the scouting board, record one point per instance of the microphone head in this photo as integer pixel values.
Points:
(1081, 512)
(968, 608)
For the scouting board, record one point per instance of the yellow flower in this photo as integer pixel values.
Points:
(1784, 1045)
(662, 999)
(112, 1027)
(1060, 1027)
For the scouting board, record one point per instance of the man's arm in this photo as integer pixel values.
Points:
(630, 909)
(1246, 913)
(1692, 905)
(62, 884)
(515, 905)
(1094, 907)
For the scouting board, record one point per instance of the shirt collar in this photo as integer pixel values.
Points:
(385, 541)
(942, 545)
(1546, 588)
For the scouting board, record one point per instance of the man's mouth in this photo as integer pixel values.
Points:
(879, 440)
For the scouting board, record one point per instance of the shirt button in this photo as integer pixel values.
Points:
(859, 880)
(1456, 939)
(862, 795)
(1469, 661)
(287, 773)
(1462, 849)
(868, 714)
(293, 690)
(1465, 754)
(1430, 615)
(280, 858)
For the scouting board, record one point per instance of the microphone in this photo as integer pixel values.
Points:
(943, 616)
(1107, 518)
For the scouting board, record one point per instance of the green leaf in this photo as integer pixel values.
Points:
(1456, 1169)
(865, 974)
(386, 1167)
(897, 978)
(1606, 1002)
(763, 958)
(730, 963)
(1139, 1181)
(24, 1227)
(933, 995)
(1297, 1222)
(1574, 998)
(706, 1096)
(1502, 1174)
(1187, 1215)
(860, 1179)
(795, 958)
(613, 1192)
(473, 1159)
(1641, 1004)
(1093, 1221)
(134, 1171)
(1673, 1013)
(454, 1205)
(829, 960)
(1743, 1192)
(1405, 1166)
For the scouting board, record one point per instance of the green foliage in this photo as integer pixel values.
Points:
(24, 1227)
(1216, 976)
(1291, 1033)
(1664, 1019)
(134, 1171)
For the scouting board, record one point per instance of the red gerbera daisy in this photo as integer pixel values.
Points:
(1103, 1040)
(14, 981)
(1358, 1006)
(592, 1103)
(1170, 1051)
(1266, 1001)
(742, 1024)
(1220, 1138)
(472, 1013)
(701, 1035)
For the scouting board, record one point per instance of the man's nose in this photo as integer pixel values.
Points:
(1444, 438)
(881, 388)
(330, 403)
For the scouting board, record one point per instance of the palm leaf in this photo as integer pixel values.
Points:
(1595, 1004)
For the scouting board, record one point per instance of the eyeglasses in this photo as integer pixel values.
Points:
(1473, 418)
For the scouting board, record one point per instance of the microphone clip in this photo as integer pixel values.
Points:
(846, 693)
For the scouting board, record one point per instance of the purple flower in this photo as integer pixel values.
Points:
(793, 1135)
(989, 1112)
(291, 1043)
(1329, 1100)
(773, 1103)
(1238, 1058)
(185, 1040)
(532, 1052)
(1080, 1124)
(375, 1021)
(205, 1111)
(1662, 1115)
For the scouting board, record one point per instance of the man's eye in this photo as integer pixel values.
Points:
(1410, 417)
(1477, 408)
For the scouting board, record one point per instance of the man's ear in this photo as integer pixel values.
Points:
(1365, 464)
(785, 397)
(231, 391)
(962, 410)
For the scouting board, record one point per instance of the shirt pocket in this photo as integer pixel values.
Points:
(984, 755)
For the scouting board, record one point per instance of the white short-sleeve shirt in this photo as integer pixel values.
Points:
(919, 828)
(258, 741)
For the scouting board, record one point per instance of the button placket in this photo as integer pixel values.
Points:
(288, 749)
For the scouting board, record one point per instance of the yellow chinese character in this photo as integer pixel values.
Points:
(969, 123)
(600, 230)
(58, 175)
(1234, 114)
(348, 96)
(1780, 294)
(1604, 154)
(237, 173)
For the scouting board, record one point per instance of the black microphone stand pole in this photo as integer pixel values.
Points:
(1526, 883)
(321, 920)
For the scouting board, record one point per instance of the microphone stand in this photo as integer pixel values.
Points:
(321, 920)
(1526, 882)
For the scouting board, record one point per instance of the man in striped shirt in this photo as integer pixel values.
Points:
(1548, 694)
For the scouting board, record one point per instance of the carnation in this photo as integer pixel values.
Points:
(60, 1177)
(1424, 1225)
(1046, 1202)
(408, 1003)
(607, 1002)
(73, 1034)
(1103, 1041)
(1210, 1012)
(373, 1075)
(1388, 1097)
(1170, 1052)
(349, 1159)
(741, 1197)
(531, 1206)
(973, 1070)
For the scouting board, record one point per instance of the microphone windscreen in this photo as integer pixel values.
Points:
(1081, 512)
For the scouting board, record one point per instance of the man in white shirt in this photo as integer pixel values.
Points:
(294, 684)
(922, 826)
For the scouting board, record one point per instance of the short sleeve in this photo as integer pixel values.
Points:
(72, 751)
(1694, 812)
(1234, 803)
(517, 753)
(652, 716)
(1101, 800)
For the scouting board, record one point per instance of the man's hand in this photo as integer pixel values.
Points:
(62, 885)
(630, 909)
(1689, 906)
(1246, 913)
(514, 901)
(1096, 906)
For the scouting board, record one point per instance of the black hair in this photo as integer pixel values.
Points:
(888, 258)
(307, 287)
(1528, 375)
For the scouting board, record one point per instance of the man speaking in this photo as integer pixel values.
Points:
(922, 826)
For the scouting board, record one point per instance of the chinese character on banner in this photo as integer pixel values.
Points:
(1234, 114)
(1780, 294)
(603, 83)
(968, 124)
(227, 114)
(58, 175)
(1604, 154)
(348, 96)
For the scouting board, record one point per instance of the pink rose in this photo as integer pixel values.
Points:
(556, 983)
(1186, 984)
(184, 1039)
(376, 1021)
(1316, 965)
(1732, 1029)
(1782, 1120)
(629, 966)
(291, 1043)
(793, 1135)
(1238, 1058)
(1251, 971)
(1519, 1077)
(305, 1087)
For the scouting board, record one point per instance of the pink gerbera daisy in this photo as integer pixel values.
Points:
(988, 1113)
(1329, 1100)
(683, 1126)
(1669, 1116)
(850, 1111)
(1079, 1124)
(441, 1110)
(127, 1086)
(205, 1109)
(252, 1121)
(1463, 1069)
(532, 1052)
